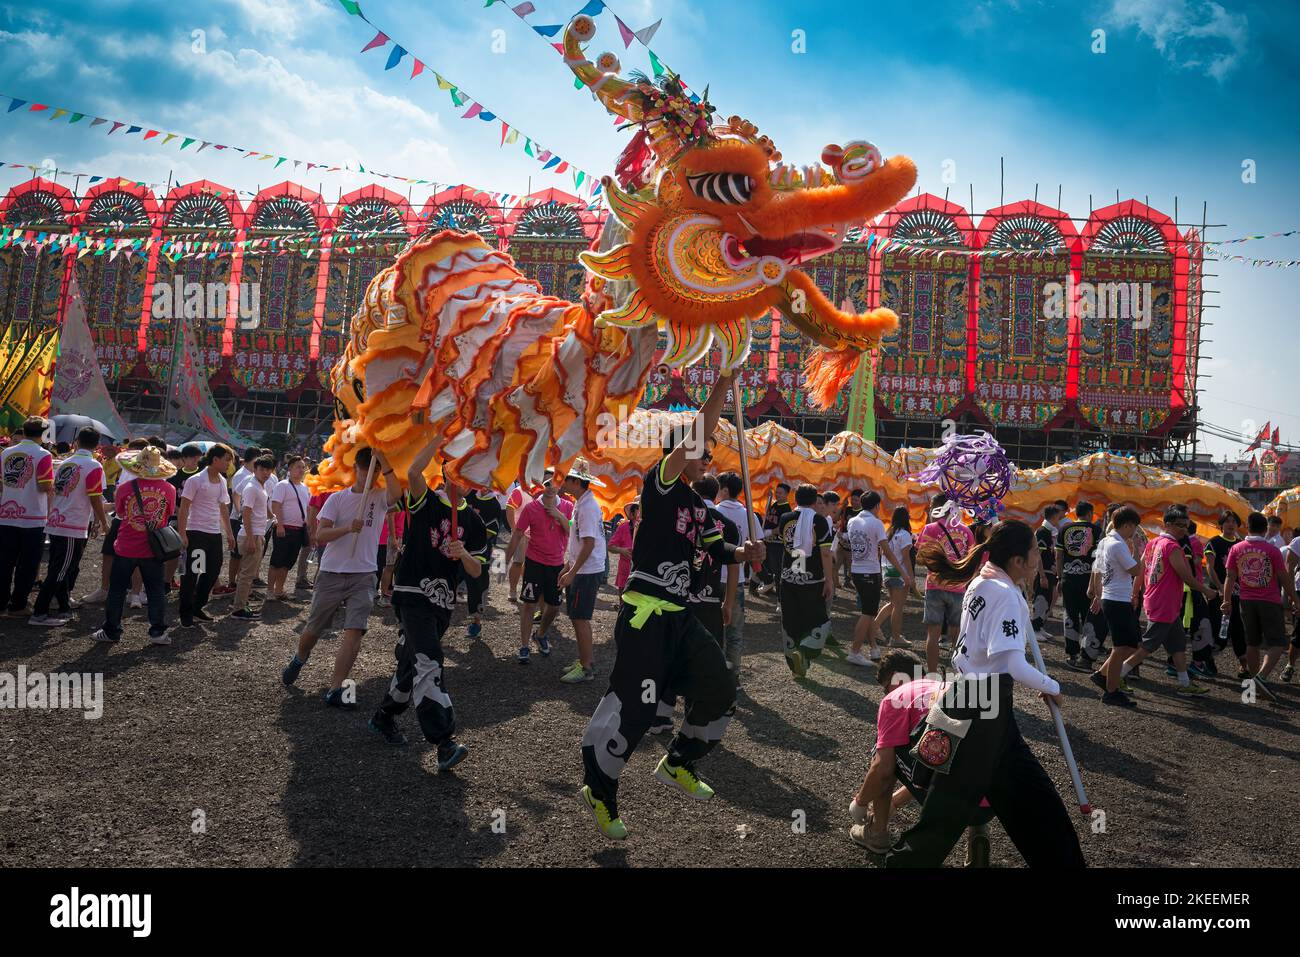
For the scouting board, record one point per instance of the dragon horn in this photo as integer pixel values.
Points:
(604, 81)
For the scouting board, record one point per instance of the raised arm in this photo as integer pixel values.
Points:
(708, 417)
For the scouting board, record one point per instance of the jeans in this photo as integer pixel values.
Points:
(119, 583)
(733, 635)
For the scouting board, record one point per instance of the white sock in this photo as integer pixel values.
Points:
(1183, 680)
(1125, 668)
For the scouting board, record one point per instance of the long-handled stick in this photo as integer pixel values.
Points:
(365, 497)
(754, 533)
(1084, 807)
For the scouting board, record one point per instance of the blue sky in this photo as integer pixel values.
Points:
(1185, 91)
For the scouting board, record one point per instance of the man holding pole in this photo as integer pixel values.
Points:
(348, 526)
(662, 648)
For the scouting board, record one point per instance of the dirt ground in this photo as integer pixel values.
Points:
(202, 758)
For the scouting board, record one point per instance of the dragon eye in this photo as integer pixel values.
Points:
(734, 188)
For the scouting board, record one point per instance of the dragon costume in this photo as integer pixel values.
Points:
(708, 231)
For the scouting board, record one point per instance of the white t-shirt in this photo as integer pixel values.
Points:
(994, 619)
(866, 532)
(736, 513)
(899, 543)
(26, 471)
(291, 515)
(272, 483)
(1277, 541)
(237, 488)
(341, 556)
(76, 479)
(1115, 562)
(206, 498)
(253, 497)
(587, 522)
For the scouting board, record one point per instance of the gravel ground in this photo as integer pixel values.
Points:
(202, 758)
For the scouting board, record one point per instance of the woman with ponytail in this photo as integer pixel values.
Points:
(971, 740)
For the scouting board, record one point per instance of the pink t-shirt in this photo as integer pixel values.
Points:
(399, 526)
(159, 498)
(964, 539)
(902, 710)
(622, 538)
(1198, 559)
(1259, 568)
(547, 538)
(1163, 598)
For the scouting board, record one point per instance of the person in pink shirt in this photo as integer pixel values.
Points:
(620, 543)
(1256, 566)
(907, 700)
(942, 601)
(542, 529)
(147, 502)
(1167, 571)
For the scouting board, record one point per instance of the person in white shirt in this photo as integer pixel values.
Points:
(866, 543)
(242, 475)
(1292, 556)
(289, 502)
(26, 497)
(899, 538)
(1116, 591)
(348, 526)
(201, 519)
(78, 496)
(1275, 536)
(254, 513)
(971, 739)
(584, 565)
(733, 509)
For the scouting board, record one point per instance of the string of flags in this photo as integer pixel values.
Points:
(151, 135)
(474, 109)
(593, 8)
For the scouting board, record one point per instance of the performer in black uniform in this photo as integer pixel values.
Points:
(1045, 582)
(806, 588)
(661, 647)
(488, 508)
(1085, 631)
(424, 594)
(708, 594)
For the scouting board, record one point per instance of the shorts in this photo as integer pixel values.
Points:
(284, 550)
(1122, 617)
(942, 608)
(1263, 623)
(868, 587)
(580, 597)
(541, 583)
(1167, 633)
(111, 537)
(893, 583)
(355, 591)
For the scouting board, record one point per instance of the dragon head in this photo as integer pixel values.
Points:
(718, 226)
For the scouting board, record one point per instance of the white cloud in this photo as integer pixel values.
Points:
(1191, 34)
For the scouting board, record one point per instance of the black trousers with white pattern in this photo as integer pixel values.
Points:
(669, 654)
(418, 678)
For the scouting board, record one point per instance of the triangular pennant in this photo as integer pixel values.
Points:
(394, 57)
(98, 120)
(474, 110)
(352, 7)
(170, 137)
(15, 104)
(57, 113)
(656, 65)
(379, 40)
(549, 30)
(646, 33)
(417, 69)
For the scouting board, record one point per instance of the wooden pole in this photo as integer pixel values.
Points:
(1084, 807)
(754, 534)
(365, 497)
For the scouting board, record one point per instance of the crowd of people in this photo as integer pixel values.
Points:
(684, 557)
